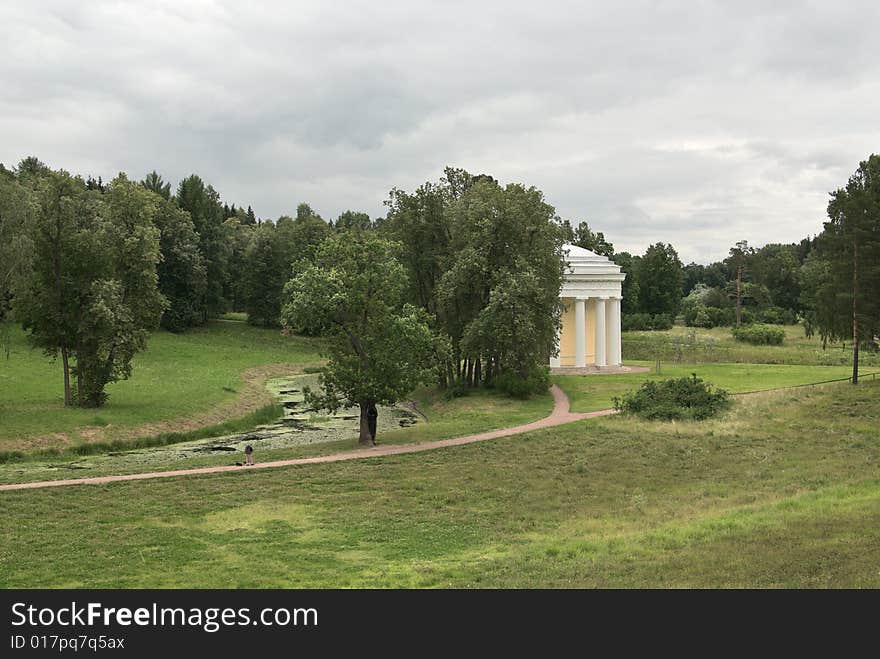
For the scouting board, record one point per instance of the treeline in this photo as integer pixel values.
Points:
(90, 267)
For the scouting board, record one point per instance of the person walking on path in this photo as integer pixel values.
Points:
(248, 455)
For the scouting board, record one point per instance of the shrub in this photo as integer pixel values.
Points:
(516, 386)
(777, 316)
(662, 322)
(640, 322)
(678, 398)
(708, 317)
(759, 334)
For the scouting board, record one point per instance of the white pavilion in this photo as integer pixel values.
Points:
(591, 293)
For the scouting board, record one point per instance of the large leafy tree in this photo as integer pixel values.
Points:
(660, 280)
(468, 243)
(379, 348)
(92, 293)
(501, 238)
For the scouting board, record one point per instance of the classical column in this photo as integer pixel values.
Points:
(580, 332)
(614, 331)
(600, 332)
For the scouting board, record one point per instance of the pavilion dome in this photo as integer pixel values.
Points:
(584, 262)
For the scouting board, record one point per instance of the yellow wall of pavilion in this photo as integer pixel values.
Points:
(566, 341)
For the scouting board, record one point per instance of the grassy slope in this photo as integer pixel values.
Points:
(176, 377)
(595, 393)
(718, 345)
(782, 491)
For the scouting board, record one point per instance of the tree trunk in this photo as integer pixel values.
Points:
(66, 364)
(738, 295)
(477, 372)
(470, 372)
(855, 316)
(365, 438)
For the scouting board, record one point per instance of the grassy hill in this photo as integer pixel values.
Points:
(782, 491)
(202, 377)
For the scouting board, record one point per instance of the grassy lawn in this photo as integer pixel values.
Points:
(595, 392)
(783, 490)
(718, 345)
(179, 377)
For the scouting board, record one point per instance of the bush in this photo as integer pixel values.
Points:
(635, 322)
(759, 335)
(678, 398)
(707, 317)
(777, 316)
(516, 386)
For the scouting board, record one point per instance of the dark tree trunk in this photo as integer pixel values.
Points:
(470, 372)
(855, 314)
(738, 295)
(365, 438)
(477, 372)
(66, 363)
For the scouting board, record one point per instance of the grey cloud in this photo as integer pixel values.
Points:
(693, 123)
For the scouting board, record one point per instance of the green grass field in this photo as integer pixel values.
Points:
(690, 344)
(178, 377)
(595, 392)
(782, 491)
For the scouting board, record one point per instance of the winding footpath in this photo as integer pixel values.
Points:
(560, 415)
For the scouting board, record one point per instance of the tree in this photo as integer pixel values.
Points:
(239, 235)
(17, 208)
(738, 262)
(123, 302)
(154, 183)
(584, 237)
(467, 240)
(851, 246)
(91, 293)
(307, 232)
(203, 204)
(353, 221)
(660, 280)
(501, 238)
(48, 303)
(267, 269)
(379, 348)
(182, 270)
(629, 265)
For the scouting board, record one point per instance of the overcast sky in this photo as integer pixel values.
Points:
(693, 123)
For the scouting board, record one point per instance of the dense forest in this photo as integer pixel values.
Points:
(90, 267)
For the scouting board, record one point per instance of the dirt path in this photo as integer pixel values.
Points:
(558, 416)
